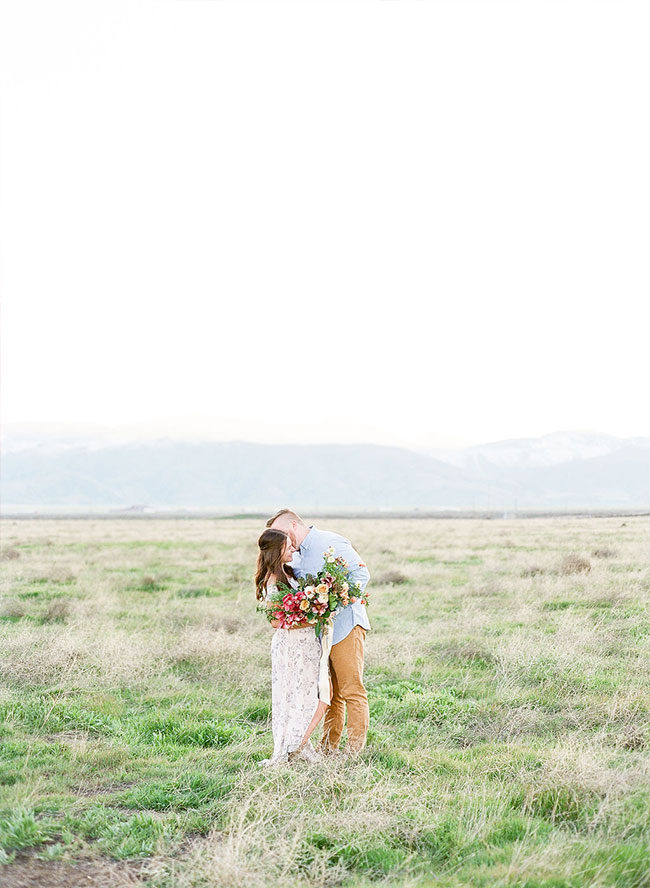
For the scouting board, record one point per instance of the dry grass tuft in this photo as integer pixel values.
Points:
(532, 571)
(54, 573)
(576, 786)
(633, 738)
(231, 625)
(392, 578)
(13, 609)
(604, 553)
(465, 652)
(9, 554)
(574, 564)
(57, 611)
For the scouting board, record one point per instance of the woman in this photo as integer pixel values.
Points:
(295, 659)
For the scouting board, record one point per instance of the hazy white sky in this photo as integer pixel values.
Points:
(387, 222)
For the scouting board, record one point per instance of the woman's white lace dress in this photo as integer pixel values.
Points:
(295, 659)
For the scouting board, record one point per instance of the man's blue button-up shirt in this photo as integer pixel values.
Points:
(310, 558)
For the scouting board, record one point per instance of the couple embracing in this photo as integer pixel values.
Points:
(313, 676)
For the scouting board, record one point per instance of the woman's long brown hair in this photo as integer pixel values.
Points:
(269, 561)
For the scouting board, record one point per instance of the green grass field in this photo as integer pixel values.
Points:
(508, 672)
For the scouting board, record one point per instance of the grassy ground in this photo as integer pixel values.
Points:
(509, 679)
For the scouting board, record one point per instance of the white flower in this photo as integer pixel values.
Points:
(331, 550)
(344, 587)
(331, 559)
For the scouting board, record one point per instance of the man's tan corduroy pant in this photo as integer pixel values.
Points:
(346, 670)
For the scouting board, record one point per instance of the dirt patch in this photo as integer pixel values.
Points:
(27, 872)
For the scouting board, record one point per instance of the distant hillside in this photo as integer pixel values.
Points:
(241, 475)
(233, 474)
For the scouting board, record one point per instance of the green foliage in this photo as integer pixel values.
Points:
(186, 732)
(43, 713)
(192, 790)
(119, 835)
(20, 828)
(257, 711)
(377, 857)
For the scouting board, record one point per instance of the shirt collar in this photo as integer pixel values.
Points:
(308, 540)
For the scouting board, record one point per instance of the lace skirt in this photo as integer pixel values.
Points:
(295, 661)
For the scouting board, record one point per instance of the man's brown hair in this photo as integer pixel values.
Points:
(292, 515)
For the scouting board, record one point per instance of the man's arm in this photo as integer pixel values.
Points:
(359, 573)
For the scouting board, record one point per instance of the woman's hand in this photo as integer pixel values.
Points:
(275, 624)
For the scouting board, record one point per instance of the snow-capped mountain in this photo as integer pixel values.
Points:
(548, 450)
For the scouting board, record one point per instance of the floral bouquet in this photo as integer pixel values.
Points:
(316, 598)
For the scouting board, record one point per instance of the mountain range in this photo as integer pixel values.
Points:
(557, 471)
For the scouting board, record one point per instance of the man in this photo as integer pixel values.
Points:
(349, 630)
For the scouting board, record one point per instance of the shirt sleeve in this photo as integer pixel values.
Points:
(359, 573)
